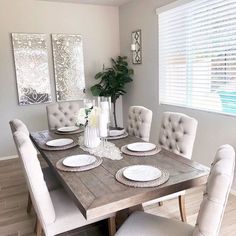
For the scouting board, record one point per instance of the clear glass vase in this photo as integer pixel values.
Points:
(91, 137)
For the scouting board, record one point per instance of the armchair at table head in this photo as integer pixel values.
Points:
(18, 125)
(34, 177)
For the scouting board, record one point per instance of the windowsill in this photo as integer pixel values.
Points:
(199, 109)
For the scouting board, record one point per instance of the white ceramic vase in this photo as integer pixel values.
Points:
(91, 137)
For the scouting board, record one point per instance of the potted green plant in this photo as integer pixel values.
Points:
(112, 81)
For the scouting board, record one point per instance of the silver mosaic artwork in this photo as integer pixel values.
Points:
(68, 66)
(31, 64)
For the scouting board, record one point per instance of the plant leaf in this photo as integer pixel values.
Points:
(96, 90)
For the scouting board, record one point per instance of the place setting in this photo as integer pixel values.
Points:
(48, 141)
(143, 176)
(117, 134)
(69, 130)
(140, 149)
(59, 144)
(78, 163)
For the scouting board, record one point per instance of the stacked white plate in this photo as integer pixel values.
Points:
(79, 160)
(142, 173)
(141, 147)
(68, 129)
(116, 132)
(60, 142)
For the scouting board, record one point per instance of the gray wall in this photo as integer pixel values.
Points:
(99, 26)
(213, 129)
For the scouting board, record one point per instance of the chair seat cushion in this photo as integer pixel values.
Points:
(50, 178)
(144, 224)
(68, 216)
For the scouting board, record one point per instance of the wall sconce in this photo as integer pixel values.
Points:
(136, 47)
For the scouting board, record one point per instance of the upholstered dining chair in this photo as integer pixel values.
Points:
(18, 125)
(50, 179)
(139, 122)
(56, 212)
(62, 114)
(177, 135)
(211, 210)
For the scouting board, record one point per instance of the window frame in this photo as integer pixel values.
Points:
(208, 110)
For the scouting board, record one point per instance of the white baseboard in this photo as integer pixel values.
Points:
(8, 158)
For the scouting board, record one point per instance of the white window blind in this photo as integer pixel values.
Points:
(197, 55)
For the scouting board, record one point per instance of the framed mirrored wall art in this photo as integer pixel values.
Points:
(136, 47)
(31, 65)
(68, 66)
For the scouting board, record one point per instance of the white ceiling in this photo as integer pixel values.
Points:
(95, 2)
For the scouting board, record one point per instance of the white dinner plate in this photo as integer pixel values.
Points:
(59, 142)
(79, 160)
(142, 173)
(68, 129)
(116, 132)
(141, 147)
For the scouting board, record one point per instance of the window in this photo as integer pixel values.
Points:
(197, 55)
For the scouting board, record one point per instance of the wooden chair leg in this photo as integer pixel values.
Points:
(112, 226)
(160, 204)
(38, 228)
(182, 208)
(29, 204)
(136, 208)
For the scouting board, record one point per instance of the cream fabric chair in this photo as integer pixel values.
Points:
(177, 135)
(62, 114)
(211, 210)
(139, 122)
(18, 125)
(49, 177)
(56, 212)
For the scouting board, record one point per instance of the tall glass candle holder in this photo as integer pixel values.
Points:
(104, 104)
(89, 103)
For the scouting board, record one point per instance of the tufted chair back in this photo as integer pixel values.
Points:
(217, 191)
(177, 133)
(62, 114)
(18, 125)
(139, 122)
(34, 177)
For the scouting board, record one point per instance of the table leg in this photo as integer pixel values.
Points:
(112, 226)
(122, 215)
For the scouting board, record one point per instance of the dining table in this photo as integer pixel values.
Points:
(96, 192)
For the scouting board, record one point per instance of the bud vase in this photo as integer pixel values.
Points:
(91, 137)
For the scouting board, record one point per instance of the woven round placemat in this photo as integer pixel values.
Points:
(49, 148)
(62, 167)
(125, 150)
(148, 184)
(69, 133)
(118, 137)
